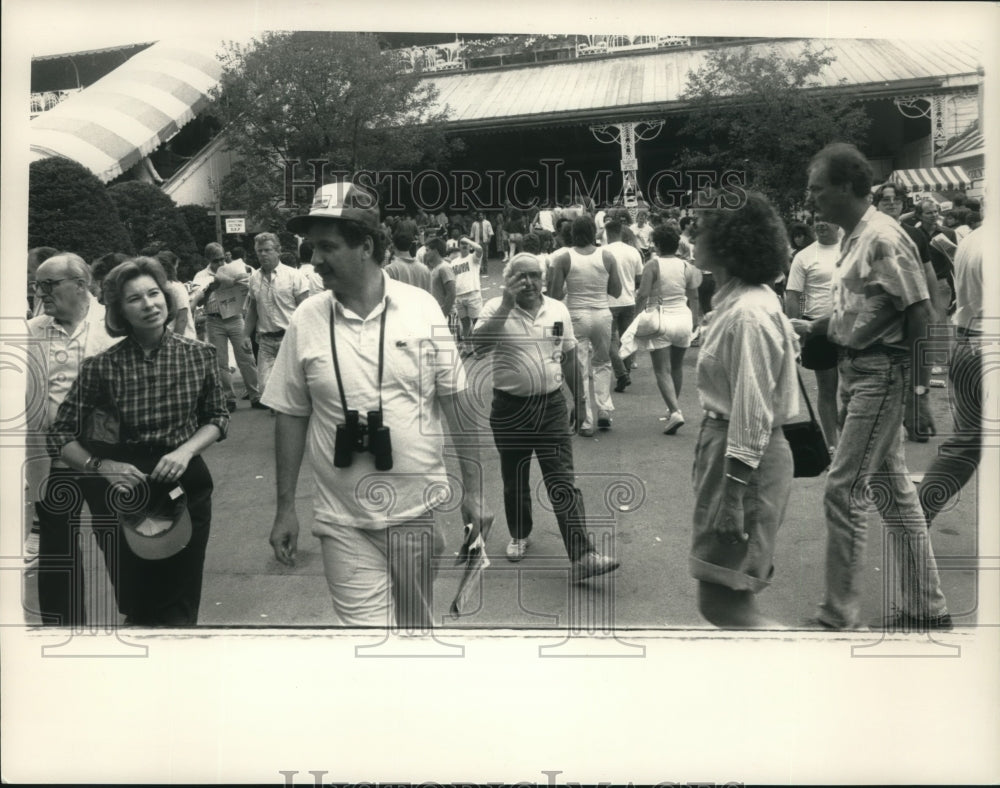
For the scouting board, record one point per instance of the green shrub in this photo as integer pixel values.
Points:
(152, 219)
(69, 209)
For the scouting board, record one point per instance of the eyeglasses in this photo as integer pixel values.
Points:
(46, 285)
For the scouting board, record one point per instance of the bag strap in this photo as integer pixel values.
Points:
(802, 386)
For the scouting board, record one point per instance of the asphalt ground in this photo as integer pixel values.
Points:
(636, 484)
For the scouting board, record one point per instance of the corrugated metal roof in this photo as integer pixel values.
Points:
(653, 81)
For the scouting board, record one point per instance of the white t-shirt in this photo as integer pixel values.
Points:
(467, 273)
(629, 269)
(811, 274)
(421, 364)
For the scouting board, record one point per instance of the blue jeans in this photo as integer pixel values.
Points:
(220, 333)
(869, 468)
(958, 457)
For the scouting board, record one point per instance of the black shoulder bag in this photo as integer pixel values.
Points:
(810, 453)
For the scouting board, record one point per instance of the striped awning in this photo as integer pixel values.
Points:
(966, 145)
(111, 125)
(932, 179)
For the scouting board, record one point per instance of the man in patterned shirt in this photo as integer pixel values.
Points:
(880, 312)
(70, 329)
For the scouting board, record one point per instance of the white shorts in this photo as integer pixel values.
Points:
(469, 304)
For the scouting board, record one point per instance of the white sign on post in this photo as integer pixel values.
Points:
(236, 226)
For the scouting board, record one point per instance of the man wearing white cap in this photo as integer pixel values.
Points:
(362, 378)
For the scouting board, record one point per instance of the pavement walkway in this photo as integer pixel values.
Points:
(636, 484)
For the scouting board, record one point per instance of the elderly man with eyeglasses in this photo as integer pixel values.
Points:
(70, 329)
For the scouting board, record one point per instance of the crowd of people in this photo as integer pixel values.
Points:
(340, 340)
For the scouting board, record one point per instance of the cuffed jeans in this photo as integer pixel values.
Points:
(523, 426)
(592, 328)
(958, 457)
(869, 468)
(220, 333)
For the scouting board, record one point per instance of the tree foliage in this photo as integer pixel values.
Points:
(320, 95)
(151, 218)
(69, 209)
(200, 222)
(756, 110)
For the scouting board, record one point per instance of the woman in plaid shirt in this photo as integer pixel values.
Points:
(164, 392)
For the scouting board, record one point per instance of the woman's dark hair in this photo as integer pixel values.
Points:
(564, 230)
(750, 242)
(802, 229)
(583, 231)
(114, 292)
(666, 239)
(169, 262)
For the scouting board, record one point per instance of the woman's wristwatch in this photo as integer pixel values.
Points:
(93, 464)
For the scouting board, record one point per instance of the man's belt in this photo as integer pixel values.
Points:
(213, 314)
(878, 349)
(272, 334)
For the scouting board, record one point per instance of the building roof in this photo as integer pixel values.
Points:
(616, 86)
(114, 123)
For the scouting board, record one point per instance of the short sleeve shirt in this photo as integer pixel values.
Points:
(275, 296)
(879, 254)
(527, 361)
(811, 274)
(421, 364)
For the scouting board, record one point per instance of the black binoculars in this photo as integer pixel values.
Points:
(353, 436)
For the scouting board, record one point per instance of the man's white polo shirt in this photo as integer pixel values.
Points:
(421, 364)
(528, 361)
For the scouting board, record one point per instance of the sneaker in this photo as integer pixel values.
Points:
(591, 564)
(31, 545)
(231, 405)
(674, 423)
(587, 432)
(517, 548)
(258, 405)
(903, 622)
(603, 420)
(622, 381)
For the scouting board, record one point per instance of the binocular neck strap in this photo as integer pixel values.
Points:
(336, 363)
